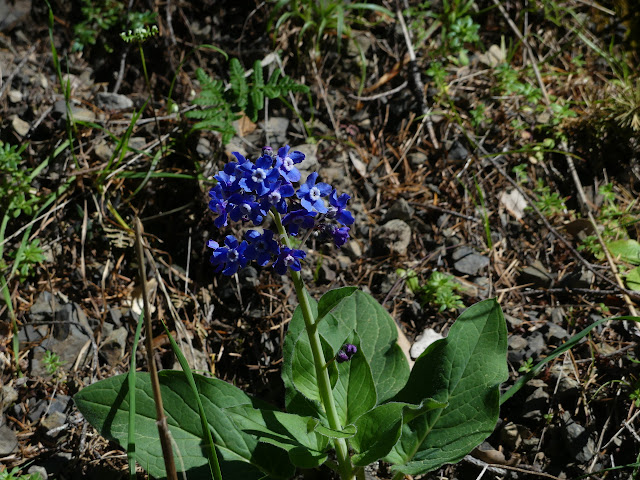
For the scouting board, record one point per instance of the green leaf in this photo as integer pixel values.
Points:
(347, 432)
(239, 85)
(104, 404)
(295, 402)
(343, 311)
(284, 430)
(304, 369)
(378, 338)
(627, 250)
(378, 430)
(463, 370)
(354, 392)
(633, 279)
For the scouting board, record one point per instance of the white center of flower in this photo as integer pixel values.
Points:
(258, 175)
(314, 194)
(288, 260)
(275, 197)
(232, 256)
(287, 164)
(245, 208)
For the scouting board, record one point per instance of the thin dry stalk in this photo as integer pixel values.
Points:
(161, 419)
(416, 82)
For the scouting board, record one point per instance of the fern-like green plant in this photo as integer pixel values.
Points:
(223, 104)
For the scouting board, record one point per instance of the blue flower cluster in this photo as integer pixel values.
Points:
(248, 191)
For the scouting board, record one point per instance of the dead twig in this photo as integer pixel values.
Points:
(416, 82)
(161, 419)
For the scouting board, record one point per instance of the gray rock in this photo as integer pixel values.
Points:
(513, 321)
(394, 237)
(458, 152)
(400, 210)
(517, 348)
(249, 277)
(44, 306)
(20, 126)
(577, 440)
(103, 151)
(82, 114)
(8, 396)
(536, 344)
(8, 441)
(538, 400)
(555, 334)
(310, 163)
(70, 335)
(36, 409)
(581, 279)
(417, 159)
(277, 127)
(471, 264)
(462, 252)
(568, 386)
(510, 436)
(112, 349)
(204, 148)
(52, 424)
(137, 143)
(353, 249)
(426, 338)
(37, 470)
(537, 275)
(113, 101)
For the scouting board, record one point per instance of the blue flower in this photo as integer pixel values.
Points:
(337, 208)
(340, 236)
(258, 177)
(244, 207)
(299, 218)
(262, 247)
(286, 161)
(289, 258)
(218, 205)
(310, 194)
(276, 197)
(230, 258)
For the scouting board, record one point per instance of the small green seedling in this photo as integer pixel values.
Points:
(52, 363)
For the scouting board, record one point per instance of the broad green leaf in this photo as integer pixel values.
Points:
(304, 369)
(332, 298)
(104, 404)
(295, 402)
(347, 432)
(378, 430)
(633, 279)
(378, 338)
(626, 250)
(354, 392)
(463, 370)
(284, 430)
(342, 311)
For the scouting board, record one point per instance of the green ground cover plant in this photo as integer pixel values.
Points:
(344, 374)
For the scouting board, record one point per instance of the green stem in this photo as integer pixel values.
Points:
(322, 374)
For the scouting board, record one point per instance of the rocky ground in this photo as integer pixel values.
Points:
(492, 168)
